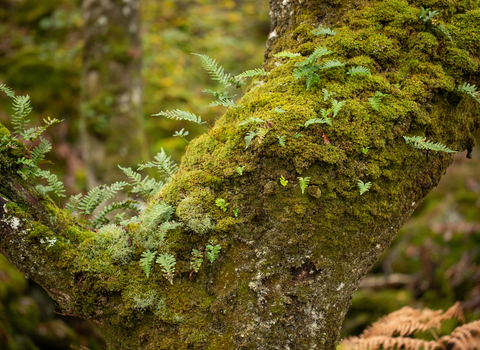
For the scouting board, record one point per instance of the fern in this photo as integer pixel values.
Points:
(223, 103)
(470, 90)
(319, 52)
(250, 136)
(376, 99)
(312, 79)
(281, 140)
(252, 120)
(54, 185)
(303, 183)
(167, 262)
(421, 142)
(88, 203)
(279, 110)
(146, 261)
(252, 73)
(217, 72)
(317, 121)
(101, 218)
(427, 15)
(22, 108)
(163, 164)
(73, 203)
(196, 261)
(363, 187)
(332, 64)
(286, 54)
(38, 153)
(212, 252)
(323, 31)
(146, 187)
(337, 106)
(327, 94)
(359, 70)
(180, 115)
(9, 92)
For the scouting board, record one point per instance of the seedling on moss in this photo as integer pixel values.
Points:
(212, 252)
(297, 135)
(283, 181)
(235, 212)
(364, 187)
(240, 169)
(220, 202)
(195, 261)
(365, 150)
(281, 140)
(303, 183)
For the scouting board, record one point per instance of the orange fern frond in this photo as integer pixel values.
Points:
(387, 342)
(466, 337)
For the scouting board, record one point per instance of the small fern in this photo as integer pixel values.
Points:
(279, 110)
(22, 108)
(163, 164)
(180, 115)
(196, 261)
(303, 183)
(359, 70)
(317, 121)
(332, 64)
(363, 187)
(281, 140)
(54, 184)
(337, 106)
(240, 169)
(212, 252)
(167, 262)
(376, 99)
(101, 218)
(146, 261)
(470, 90)
(252, 120)
(88, 203)
(323, 31)
(217, 72)
(252, 73)
(250, 136)
(327, 94)
(421, 142)
(146, 188)
(9, 92)
(286, 54)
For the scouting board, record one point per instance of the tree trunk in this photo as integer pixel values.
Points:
(111, 89)
(290, 262)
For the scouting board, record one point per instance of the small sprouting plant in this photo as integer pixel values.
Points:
(180, 115)
(427, 16)
(376, 99)
(363, 187)
(240, 169)
(327, 94)
(235, 212)
(281, 140)
(297, 135)
(359, 70)
(249, 137)
(365, 150)
(212, 252)
(303, 183)
(421, 142)
(286, 54)
(323, 31)
(252, 120)
(146, 261)
(283, 181)
(337, 106)
(196, 261)
(182, 134)
(220, 202)
(470, 90)
(167, 262)
(279, 110)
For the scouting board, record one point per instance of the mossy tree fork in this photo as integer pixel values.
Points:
(289, 262)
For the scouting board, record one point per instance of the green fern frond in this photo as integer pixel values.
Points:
(163, 163)
(212, 252)
(286, 54)
(98, 195)
(73, 203)
(359, 70)
(146, 187)
(319, 52)
(421, 142)
(376, 99)
(281, 140)
(217, 72)
(38, 153)
(327, 94)
(250, 136)
(323, 31)
(101, 218)
(312, 79)
(363, 187)
(167, 262)
(337, 106)
(332, 64)
(54, 185)
(252, 73)
(223, 103)
(252, 120)
(9, 92)
(180, 115)
(317, 121)
(146, 261)
(22, 108)
(279, 110)
(470, 90)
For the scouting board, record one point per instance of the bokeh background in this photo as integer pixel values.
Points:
(433, 262)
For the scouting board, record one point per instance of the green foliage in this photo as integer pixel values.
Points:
(252, 120)
(212, 252)
(421, 142)
(163, 164)
(54, 184)
(376, 99)
(286, 54)
(337, 106)
(323, 31)
(240, 169)
(217, 72)
(180, 115)
(283, 181)
(365, 150)
(470, 90)
(196, 261)
(252, 73)
(146, 261)
(9, 92)
(363, 187)
(223, 103)
(250, 136)
(297, 135)
(88, 203)
(359, 70)
(167, 262)
(332, 64)
(101, 218)
(281, 140)
(317, 121)
(220, 202)
(303, 183)
(182, 134)
(22, 108)
(279, 110)
(146, 188)
(235, 212)
(327, 94)
(426, 15)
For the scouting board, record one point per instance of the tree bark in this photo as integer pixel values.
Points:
(111, 85)
(290, 262)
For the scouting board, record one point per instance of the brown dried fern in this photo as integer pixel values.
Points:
(466, 337)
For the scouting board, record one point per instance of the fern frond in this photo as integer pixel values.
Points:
(359, 70)
(319, 52)
(101, 218)
(305, 71)
(167, 262)
(385, 342)
(22, 108)
(376, 99)
(223, 103)
(146, 261)
(252, 120)
(216, 72)
(38, 153)
(54, 184)
(312, 79)
(337, 106)
(286, 54)
(146, 187)
(163, 163)
(421, 142)
(323, 31)
(363, 187)
(180, 115)
(317, 121)
(281, 140)
(73, 203)
(333, 63)
(250, 136)
(471, 90)
(9, 92)
(97, 195)
(466, 336)
(252, 73)
(327, 94)
(279, 110)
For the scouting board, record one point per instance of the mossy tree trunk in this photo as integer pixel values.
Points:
(289, 261)
(111, 123)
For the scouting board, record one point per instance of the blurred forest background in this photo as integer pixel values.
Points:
(105, 67)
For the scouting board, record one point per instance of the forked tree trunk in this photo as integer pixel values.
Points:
(290, 261)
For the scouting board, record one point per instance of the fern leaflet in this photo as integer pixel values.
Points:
(250, 136)
(376, 99)
(101, 218)
(327, 94)
(317, 121)
(281, 140)
(421, 142)
(252, 120)
(470, 90)
(323, 31)
(223, 103)
(180, 115)
(22, 108)
(97, 195)
(286, 54)
(9, 92)
(146, 261)
(167, 262)
(54, 185)
(363, 187)
(359, 70)
(163, 163)
(252, 73)
(217, 72)
(337, 106)
(332, 64)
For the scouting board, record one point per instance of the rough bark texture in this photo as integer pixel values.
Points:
(290, 261)
(111, 108)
